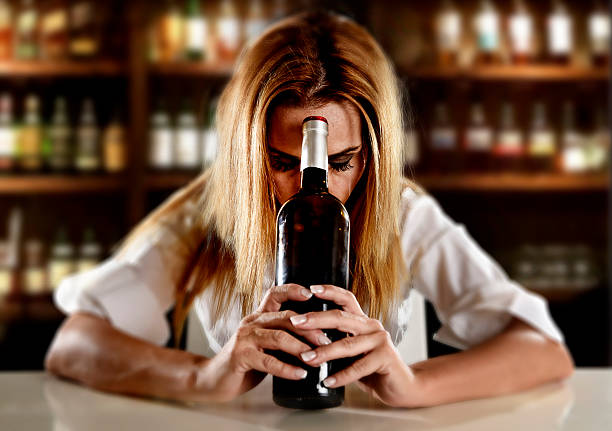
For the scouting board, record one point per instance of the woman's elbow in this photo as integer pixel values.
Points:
(564, 361)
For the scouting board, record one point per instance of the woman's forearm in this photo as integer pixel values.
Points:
(517, 359)
(88, 349)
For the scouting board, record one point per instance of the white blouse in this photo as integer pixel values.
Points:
(473, 297)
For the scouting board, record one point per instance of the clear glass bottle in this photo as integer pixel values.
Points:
(35, 272)
(210, 140)
(448, 33)
(60, 138)
(521, 34)
(31, 137)
(195, 31)
(188, 143)
(597, 153)
(478, 140)
(509, 147)
(572, 142)
(599, 35)
(256, 21)
(8, 142)
(541, 148)
(26, 37)
(228, 32)
(170, 33)
(486, 26)
(54, 33)
(443, 154)
(161, 140)
(84, 34)
(88, 154)
(560, 34)
(61, 259)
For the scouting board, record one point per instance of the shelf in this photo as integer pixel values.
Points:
(220, 70)
(52, 184)
(536, 72)
(29, 308)
(42, 68)
(514, 182)
(169, 181)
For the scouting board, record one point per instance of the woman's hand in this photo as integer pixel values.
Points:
(380, 370)
(243, 362)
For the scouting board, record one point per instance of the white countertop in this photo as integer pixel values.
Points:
(37, 401)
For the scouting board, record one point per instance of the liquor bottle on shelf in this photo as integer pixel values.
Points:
(209, 135)
(560, 34)
(26, 37)
(6, 30)
(60, 138)
(520, 28)
(443, 142)
(448, 33)
(34, 280)
(486, 26)
(8, 143)
(228, 32)
(30, 137)
(170, 34)
(113, 145)
(509, 148)
(88, 154)
(90, 251)
(599, 35)
(478, 143)
(13, 251)
(195, 31)
(597, 153)
(572, 142)
(54, 33)
(161, 140)
(541, 148)
(6, 272)
(61, 260)
(256, 21)
(187, 139)
(84, 34)
(312, 237)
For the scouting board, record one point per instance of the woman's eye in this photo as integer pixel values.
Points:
(281, 165)
(341, 166)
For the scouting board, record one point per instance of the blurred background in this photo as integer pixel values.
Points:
(107, 107)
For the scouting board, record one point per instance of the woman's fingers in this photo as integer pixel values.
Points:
(346, 347)
(276, 339)
(281, 319)
(279, 294)
(337, 319)
(261, 361)
(362, 367)
(340, 296)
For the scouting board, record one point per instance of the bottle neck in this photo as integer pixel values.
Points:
(314, 156)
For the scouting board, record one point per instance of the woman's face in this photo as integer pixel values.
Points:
(344, 148)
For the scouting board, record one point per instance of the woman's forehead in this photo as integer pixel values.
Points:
(344, 125)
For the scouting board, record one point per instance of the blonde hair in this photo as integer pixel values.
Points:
(304, 60)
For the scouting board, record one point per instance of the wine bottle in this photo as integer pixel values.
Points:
(312, 247)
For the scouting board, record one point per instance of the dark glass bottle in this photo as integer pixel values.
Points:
(312, 247)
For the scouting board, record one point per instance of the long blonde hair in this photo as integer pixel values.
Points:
(305, 60)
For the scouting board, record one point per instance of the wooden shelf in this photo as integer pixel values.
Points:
(42, 68)
(60, 184)
(220, 70)
(168, 181)
(29, 308)
(514, 182)
(536, 72)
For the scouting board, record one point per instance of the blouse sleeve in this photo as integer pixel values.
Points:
(473, 296)
(134, 289)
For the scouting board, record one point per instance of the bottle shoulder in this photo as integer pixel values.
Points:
(309, 201)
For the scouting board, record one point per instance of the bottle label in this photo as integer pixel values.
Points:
(187, 154)
(229, 33)
(599, 31)
(560, 35)
(479, 139)
(7, 142)
(196, 34)
(510, 143)
(487, 28)
(449, 31)
(34, 281)
(5, 281)
(542, 144)
(161, 149)
(443, 139)
(58, 270)
(521, 30)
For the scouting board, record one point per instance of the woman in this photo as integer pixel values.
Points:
(212, 245)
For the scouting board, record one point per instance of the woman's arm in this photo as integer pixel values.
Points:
(518, 358)
(88, 349)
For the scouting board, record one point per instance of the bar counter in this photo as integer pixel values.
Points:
(37, 401)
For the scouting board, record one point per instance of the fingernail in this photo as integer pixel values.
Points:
(306, 293)
(301, 373)
(329, 381)
(317, 288)
(323, 340)
(297, 320)
(308, 356)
